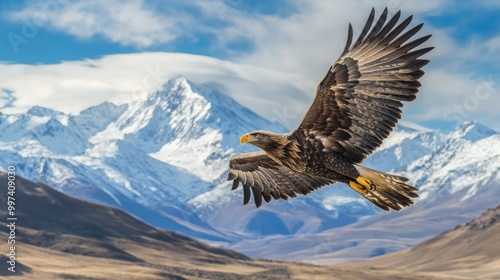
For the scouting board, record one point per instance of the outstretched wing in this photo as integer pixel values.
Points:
(358, 101)
(265, 178)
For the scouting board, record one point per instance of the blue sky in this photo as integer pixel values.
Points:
(277, 50)
(58, 45)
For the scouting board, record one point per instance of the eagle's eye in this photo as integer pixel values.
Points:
(257, 135)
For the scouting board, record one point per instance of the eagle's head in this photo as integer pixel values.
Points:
(277, 146)
(265, 140)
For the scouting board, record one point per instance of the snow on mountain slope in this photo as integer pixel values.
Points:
(94, 119)
(403, 146)
(156, 152)
(469, 155)
(184, 128)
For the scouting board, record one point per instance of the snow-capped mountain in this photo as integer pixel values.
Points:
(163, 158)
(148, 157)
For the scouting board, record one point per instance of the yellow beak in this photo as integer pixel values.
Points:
(247, 138)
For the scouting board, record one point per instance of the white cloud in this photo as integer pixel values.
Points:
(128, 22)
(72, 86)
(456, 97)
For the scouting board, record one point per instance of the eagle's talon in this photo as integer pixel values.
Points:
(365, 182)
(358, 187)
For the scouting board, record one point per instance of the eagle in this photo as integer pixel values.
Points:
(358, 103)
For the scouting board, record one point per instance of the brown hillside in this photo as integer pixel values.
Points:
(470, 250)
(59, 237)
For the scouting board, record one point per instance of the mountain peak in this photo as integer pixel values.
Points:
(179, 80)
(173, 87)
(40, 111)
(472, 131)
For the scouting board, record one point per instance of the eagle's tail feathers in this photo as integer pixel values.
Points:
(386, 191)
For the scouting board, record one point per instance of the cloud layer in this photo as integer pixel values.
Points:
(286, 54)
(73, 86)
(128, 22)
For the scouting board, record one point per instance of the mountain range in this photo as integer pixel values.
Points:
(163, 159)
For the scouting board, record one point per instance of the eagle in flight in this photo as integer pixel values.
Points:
(358, 102)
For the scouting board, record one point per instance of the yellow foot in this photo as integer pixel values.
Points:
(365, 182)
(359, 188)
